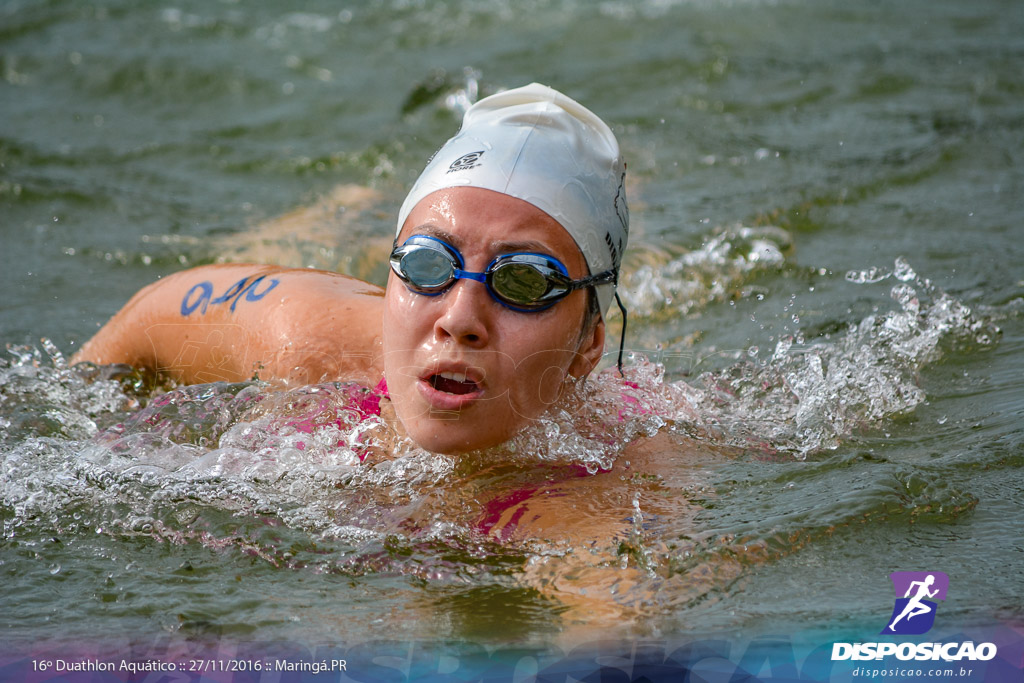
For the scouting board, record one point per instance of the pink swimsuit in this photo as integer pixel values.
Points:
(362, 401)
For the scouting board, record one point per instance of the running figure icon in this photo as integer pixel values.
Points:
(919, 590)
(915, 607)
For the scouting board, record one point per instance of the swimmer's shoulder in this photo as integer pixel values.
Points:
(231, 321)
(226, 274)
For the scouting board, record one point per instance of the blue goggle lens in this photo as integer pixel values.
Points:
(426, 268)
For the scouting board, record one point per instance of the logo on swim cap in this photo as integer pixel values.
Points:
(914, 612)
(466, 162)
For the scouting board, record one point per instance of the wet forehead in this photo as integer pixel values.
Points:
(497, 246)
(477, 221)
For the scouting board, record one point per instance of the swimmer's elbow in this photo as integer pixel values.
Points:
(116, 342)
(124, 339)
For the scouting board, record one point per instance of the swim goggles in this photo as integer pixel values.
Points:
(523, 281)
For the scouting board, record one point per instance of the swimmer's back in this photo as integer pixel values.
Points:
(230, 322)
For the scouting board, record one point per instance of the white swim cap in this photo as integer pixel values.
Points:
(538, 145)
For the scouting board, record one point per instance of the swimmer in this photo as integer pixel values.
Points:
(505, 261)
(504, 264)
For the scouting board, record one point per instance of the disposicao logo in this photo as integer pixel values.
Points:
(913, 614)
(914, 611)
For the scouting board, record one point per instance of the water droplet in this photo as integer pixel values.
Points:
(868, 276)
(903, 271)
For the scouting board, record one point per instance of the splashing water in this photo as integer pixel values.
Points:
(312, 479)
(290, 450)
(45, 397)
(727, 259)
(810, 395)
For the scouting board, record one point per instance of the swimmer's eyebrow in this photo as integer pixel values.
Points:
(431, 230)
(530, 245)
(498, 247)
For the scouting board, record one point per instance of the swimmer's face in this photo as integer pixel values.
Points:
(463, 370)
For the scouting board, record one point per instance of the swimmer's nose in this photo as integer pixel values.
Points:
(467, 314)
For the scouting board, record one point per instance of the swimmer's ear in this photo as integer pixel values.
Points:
(589, 351)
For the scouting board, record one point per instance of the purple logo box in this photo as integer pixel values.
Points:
(914, 610)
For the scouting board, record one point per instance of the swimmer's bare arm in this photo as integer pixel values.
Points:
(229, 322)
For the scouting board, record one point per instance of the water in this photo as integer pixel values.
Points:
(824, 282)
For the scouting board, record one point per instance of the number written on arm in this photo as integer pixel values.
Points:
(200, 296)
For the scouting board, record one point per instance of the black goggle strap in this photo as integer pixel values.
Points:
(622, 339)
(607, 277)
(610, 276)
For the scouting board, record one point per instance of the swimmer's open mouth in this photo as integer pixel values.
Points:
(452, 383)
